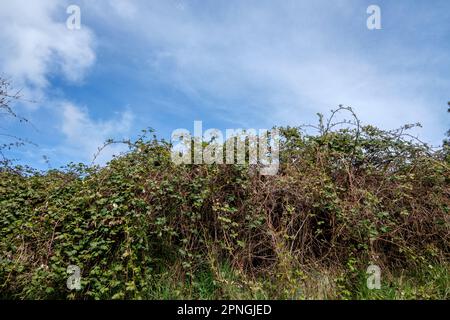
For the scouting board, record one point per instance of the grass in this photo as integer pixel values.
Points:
(431, 282)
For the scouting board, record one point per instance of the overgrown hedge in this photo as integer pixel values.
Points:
(343, 199)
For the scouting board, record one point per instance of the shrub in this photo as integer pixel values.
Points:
(343, 199)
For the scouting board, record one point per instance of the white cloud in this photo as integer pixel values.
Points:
(248, 62)
(83, 135)
(36, 43)
(289, 60)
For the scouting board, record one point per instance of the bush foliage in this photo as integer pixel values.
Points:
(143, 227)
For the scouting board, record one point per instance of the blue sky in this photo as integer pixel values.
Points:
(232, 64)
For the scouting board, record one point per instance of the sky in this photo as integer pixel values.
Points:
(231, 64)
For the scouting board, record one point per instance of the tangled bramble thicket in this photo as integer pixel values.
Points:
(140, 226)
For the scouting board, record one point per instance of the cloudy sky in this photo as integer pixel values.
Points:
(232, 64)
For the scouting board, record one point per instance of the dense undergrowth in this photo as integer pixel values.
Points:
(143, 227)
